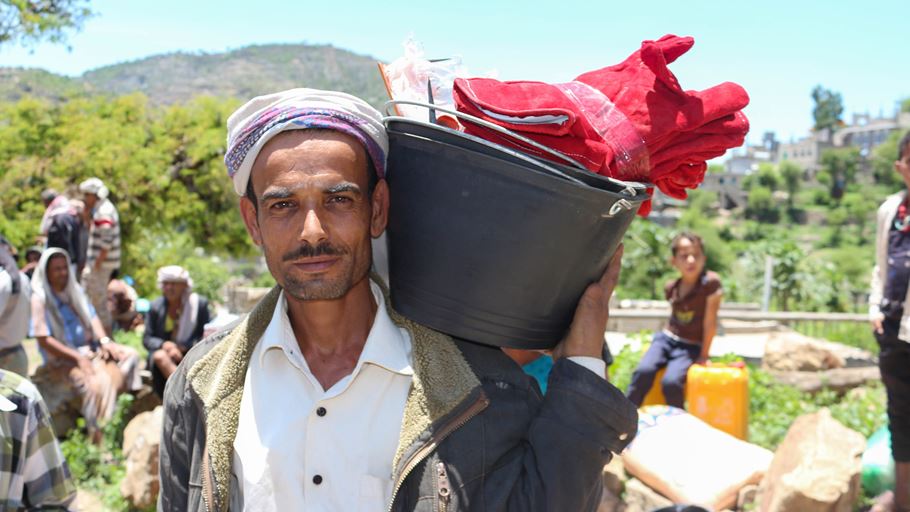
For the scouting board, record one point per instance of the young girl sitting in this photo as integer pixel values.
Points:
(694, 298)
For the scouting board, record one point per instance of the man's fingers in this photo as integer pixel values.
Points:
(611, 276)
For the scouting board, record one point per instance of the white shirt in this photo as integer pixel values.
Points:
(283, 442)
(15, 310)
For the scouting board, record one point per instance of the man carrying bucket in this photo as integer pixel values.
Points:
(325, 398)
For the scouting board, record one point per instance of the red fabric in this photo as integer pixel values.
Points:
(575, 137)
(680, 129)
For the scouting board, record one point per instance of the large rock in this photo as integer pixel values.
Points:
(614, 478)
(641, 498)
(839, 380)
(140, 452)
(815, 469)
(790, 351)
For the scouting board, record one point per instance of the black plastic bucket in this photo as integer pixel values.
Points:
(489, 246)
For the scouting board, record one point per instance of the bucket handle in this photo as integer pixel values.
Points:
(492, 126)
(627, 189)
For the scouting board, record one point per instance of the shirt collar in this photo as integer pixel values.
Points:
(386, 345)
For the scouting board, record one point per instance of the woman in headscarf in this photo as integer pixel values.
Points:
(76, 350)
(175, 323)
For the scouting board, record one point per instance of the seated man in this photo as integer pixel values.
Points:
(175, 323)
(35, 475)
(75, 348)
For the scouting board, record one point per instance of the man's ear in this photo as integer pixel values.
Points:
(380, 201)
(250, 219)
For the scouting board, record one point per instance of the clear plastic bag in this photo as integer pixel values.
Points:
(407, 78)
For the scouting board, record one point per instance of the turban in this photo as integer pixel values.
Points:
(174, 274)
(94, 186)
(263, 117)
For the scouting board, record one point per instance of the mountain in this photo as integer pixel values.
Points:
(241, 73)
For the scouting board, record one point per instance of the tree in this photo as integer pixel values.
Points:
(29, 22)
(859, 209)
(840, 165)
(791, 174)
(648, 244)
(761, 206)
(883, 157)
(829, 107)
(163, 167)
(905, 105)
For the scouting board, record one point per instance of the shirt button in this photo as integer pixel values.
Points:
(320, 411)
(317, 479)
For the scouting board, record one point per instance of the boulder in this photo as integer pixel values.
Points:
(62, 401)
(141, 439)
(641, 498)
(790, 351)
(839, 380)
(815, 469)
(614, 478)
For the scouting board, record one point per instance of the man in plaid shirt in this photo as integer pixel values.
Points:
(33, 472)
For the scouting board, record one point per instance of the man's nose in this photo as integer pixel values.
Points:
(313, 232)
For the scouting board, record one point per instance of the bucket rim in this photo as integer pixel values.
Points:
(634, 187)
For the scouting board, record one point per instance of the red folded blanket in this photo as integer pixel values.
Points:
(643, 126)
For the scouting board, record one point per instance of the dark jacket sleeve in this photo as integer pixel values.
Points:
(175, 450)
(582, 421)
(527, 453)
(152, 338)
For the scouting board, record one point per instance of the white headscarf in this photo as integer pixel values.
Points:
(189, 300)
(263, 117)
(73, 295)
(94, 186)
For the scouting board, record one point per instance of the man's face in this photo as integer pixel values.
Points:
(902, 167)
(173, 290)
(315, 217)
(90, 200)
(58, 272)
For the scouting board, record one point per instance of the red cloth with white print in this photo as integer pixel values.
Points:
(680, 129)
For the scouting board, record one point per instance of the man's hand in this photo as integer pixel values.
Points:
(877, 324)
(586, 334)
(173, 351)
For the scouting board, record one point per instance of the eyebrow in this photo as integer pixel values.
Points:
(277, 193)
(343, 187)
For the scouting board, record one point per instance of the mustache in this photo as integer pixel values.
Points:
(310, 251)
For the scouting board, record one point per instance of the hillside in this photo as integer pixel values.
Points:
(241, 73)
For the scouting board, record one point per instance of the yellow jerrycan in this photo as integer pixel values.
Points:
(718, 394)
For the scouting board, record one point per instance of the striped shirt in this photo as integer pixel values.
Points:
(33, 472)
(105, 234)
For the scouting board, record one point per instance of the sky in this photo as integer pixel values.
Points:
(777, 50)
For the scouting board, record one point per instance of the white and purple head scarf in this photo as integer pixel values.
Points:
(263, 117)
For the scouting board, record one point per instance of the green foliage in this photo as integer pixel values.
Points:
(791, 175)
(768, 176)
(773, 407)
(716, 168)
(163, 166)
(883, 157)
(100, 469)
(838, 169)
(132, 339)
(905, 105)
(208, 272)
(32, 21)
(648, 245)
(828, 109)
(762, 206)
